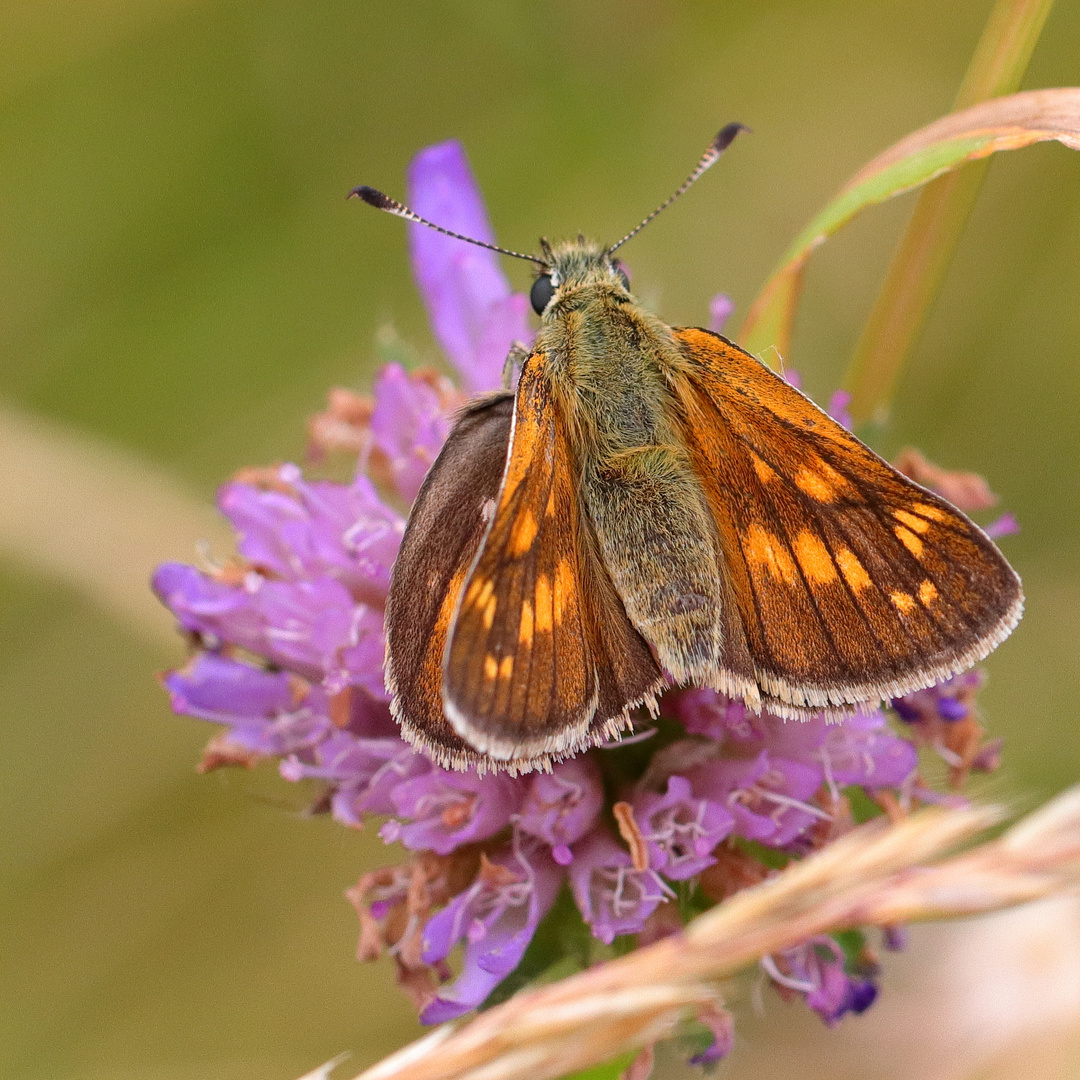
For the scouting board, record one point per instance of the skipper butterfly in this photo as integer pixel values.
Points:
(654, 502)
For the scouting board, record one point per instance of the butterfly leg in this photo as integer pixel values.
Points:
(517, 356)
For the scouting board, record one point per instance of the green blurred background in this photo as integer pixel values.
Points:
(182, 280)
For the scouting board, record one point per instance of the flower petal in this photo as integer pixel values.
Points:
(474, 313)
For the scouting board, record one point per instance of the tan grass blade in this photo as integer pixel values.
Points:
(879, 874)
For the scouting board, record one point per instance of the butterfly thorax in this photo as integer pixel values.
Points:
(605, 356)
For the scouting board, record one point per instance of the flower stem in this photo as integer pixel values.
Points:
(941, 212)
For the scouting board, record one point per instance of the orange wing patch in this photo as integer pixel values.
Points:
(851, 582)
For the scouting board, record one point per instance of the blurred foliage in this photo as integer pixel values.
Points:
(182, 276)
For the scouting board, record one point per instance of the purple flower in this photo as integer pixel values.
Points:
(562, 806)
(816, 969)
(767, 796)
(706, 712)
(863, 751)
(721, 1026)
(860, 750)
(218, 688)
(269, 713)
(611, 895)
(300, 625)
(797, 739)
(409, 424)
(1006, 525)
(359, 661)
(950, 700)
(895, 938)
(679, 829)
(295, 530)
(448, 809)
(720, 308)
(365, 772)
(838, 408)
(496, 917)
(474, 313)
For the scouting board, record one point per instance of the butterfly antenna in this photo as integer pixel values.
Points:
(392, 206)
(723, 140)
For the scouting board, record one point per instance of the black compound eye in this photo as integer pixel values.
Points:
(541, 293)
(623, 276)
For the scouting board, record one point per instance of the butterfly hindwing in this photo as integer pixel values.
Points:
(851, 582)
(542, 659)
(445, 529)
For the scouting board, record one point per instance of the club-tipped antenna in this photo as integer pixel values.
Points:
(723, 140)
(392, 206)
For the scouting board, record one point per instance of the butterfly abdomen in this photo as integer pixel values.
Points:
(657, 544)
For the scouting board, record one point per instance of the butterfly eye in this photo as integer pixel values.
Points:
(623, 276)
(541, 293)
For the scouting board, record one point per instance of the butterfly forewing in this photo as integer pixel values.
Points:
(851, 582)
(541, 656)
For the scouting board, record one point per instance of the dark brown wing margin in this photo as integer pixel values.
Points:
(444, 532)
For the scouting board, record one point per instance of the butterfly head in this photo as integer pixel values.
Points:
(575, 272)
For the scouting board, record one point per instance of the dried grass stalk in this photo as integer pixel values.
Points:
(879, 874)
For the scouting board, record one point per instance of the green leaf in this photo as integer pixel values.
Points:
(853, 942)
(1005, 123)
(919, 265)
(610, 1070)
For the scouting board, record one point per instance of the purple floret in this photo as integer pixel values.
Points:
(409, 424)
(561, 806)
(445, 809)
(720, 308)
(864, 751)
(816, 969)
(838, 408)
(300, 625)
(679, 829)
(297, 530)
(365, 772)
(611, 895)
(496, 917)
(218, 688)
(268, 713)
(767, 796)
